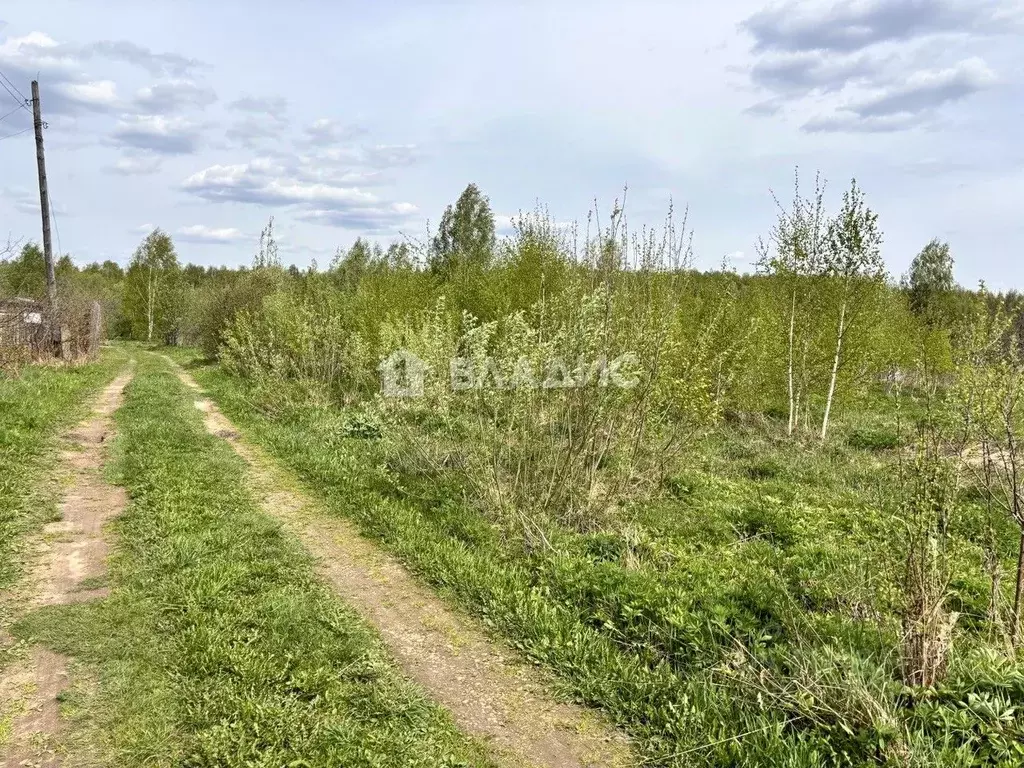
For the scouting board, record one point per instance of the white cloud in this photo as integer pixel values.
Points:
(136, 165)
(173, 96)
(61, 69)
(157, 133)
(868, 57)
(850, 25)
(99, 93)
(199, 233)
(526, 121)
(34, 48)
(66, 88)
(167, 64)
(327, 131)
(908, 103)
(278, 182)
(255, 182)
(802, 72)
(928, 89)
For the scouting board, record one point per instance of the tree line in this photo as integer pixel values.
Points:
(821, 289)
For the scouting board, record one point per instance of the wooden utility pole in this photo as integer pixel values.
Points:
(44, 205)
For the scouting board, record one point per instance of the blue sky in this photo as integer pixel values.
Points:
(343, 119)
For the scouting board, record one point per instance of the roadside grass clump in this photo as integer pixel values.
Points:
(877, 439)
(764, 469)
(217, 645)
(34, 405)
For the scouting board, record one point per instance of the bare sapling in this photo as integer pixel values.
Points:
(853, 262)
(929, 486)
(794, 255)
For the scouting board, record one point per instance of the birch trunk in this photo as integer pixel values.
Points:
(1018, 515)
(792, 400)
(835, 371)
(149, 306)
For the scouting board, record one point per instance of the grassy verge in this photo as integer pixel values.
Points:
(217, 645)
(742, 621)
(34, 407)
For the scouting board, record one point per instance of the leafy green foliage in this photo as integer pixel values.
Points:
(682, 552)
(153, 296)
(931, 278)
(25, 275)
(828, 289)
(465, 235)
(727, 595)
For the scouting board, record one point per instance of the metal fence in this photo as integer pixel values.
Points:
(27, 333)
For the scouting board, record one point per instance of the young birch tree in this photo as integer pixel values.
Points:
(854, 265)
(465, 235)
(930, 280)
(151, 284)
(794, 256)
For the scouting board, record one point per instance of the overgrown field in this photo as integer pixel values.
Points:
(217, 646)
(760, 520)
(767, 519)
(34, 406)
(751, 615)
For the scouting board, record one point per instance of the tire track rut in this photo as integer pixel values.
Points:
(70, 557)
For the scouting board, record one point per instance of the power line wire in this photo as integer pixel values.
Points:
(10, 113)
(56, 229)
(22, 103)
(12, 94)
(6, 81)
(12, 135)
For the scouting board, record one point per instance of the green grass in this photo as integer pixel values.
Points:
(784, 550)
(217, 645)
(34, 407)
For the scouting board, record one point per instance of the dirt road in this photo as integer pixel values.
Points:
(69, 559)
(490, 693)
